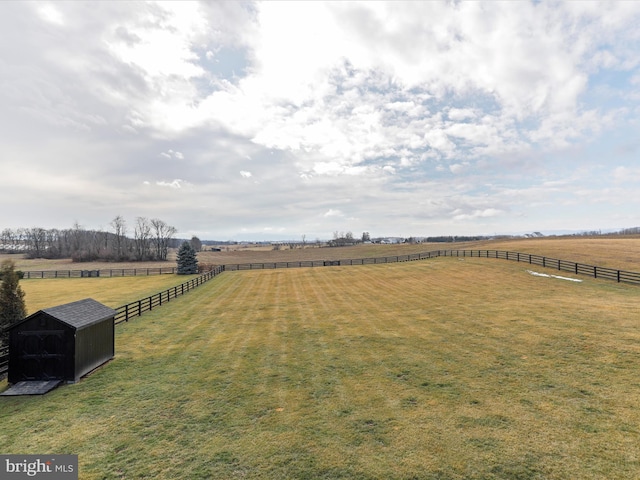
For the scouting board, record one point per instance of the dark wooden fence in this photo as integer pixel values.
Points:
(110, 272)
(331, 263)
(137, 308)
(620, 276)
(547, 262)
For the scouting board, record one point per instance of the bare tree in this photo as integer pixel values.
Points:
(119, 226)
(196, 243)
(163, 234)
(36, 238)
(142, 238)
(8, 239)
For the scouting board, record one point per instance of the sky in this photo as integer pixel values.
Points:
(283, 120)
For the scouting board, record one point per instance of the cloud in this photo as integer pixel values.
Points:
(172, 154)
(422, 117)
(488, 212)
(457, 167)
(626, 174)
(333, 213)
(51, 14)
(177, 183)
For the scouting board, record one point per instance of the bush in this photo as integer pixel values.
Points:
(206, 267)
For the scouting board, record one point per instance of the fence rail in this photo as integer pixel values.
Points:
(137, 308)
(108, 272)
(620, 276)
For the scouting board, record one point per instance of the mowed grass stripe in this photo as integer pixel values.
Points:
(439, 369)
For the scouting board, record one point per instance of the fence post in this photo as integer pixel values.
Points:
(126, 312)
(595, 272)
(618, 272)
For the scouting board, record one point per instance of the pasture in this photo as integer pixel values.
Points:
(439, 369)
(113, 292)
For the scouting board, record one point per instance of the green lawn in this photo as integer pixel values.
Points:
(439, 369)
(113, 292)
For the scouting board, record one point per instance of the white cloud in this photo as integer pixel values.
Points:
(457, 167)
(328, 168)
(626, 174)
(177, 183)
(333, 213)
(50, 13)
(172, 154)
(245, 174)
(459, 214)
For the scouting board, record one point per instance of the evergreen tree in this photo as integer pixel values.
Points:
(187, 261)
(12, 306)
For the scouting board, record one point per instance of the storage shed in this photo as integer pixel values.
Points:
(61, 343)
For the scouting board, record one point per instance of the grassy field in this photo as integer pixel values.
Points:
(113, 292)
(621, 253)
(439, 369)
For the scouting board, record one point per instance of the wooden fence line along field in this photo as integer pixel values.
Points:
(547, 262)
(112, 272)
(137, 308)
(620, 276)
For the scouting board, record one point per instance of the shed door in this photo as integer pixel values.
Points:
(41, 355)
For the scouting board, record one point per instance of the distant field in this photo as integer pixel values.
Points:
(439, 369)
(613, 252)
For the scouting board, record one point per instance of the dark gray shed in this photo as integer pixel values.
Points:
(61, 343)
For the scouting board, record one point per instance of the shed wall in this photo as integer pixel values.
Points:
(95, 345)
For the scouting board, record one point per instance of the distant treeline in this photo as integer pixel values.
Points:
(449, 238)
(151, 240)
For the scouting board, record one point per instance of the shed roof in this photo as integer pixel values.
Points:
(80, 314)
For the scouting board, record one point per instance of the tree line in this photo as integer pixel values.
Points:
(151, 240)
